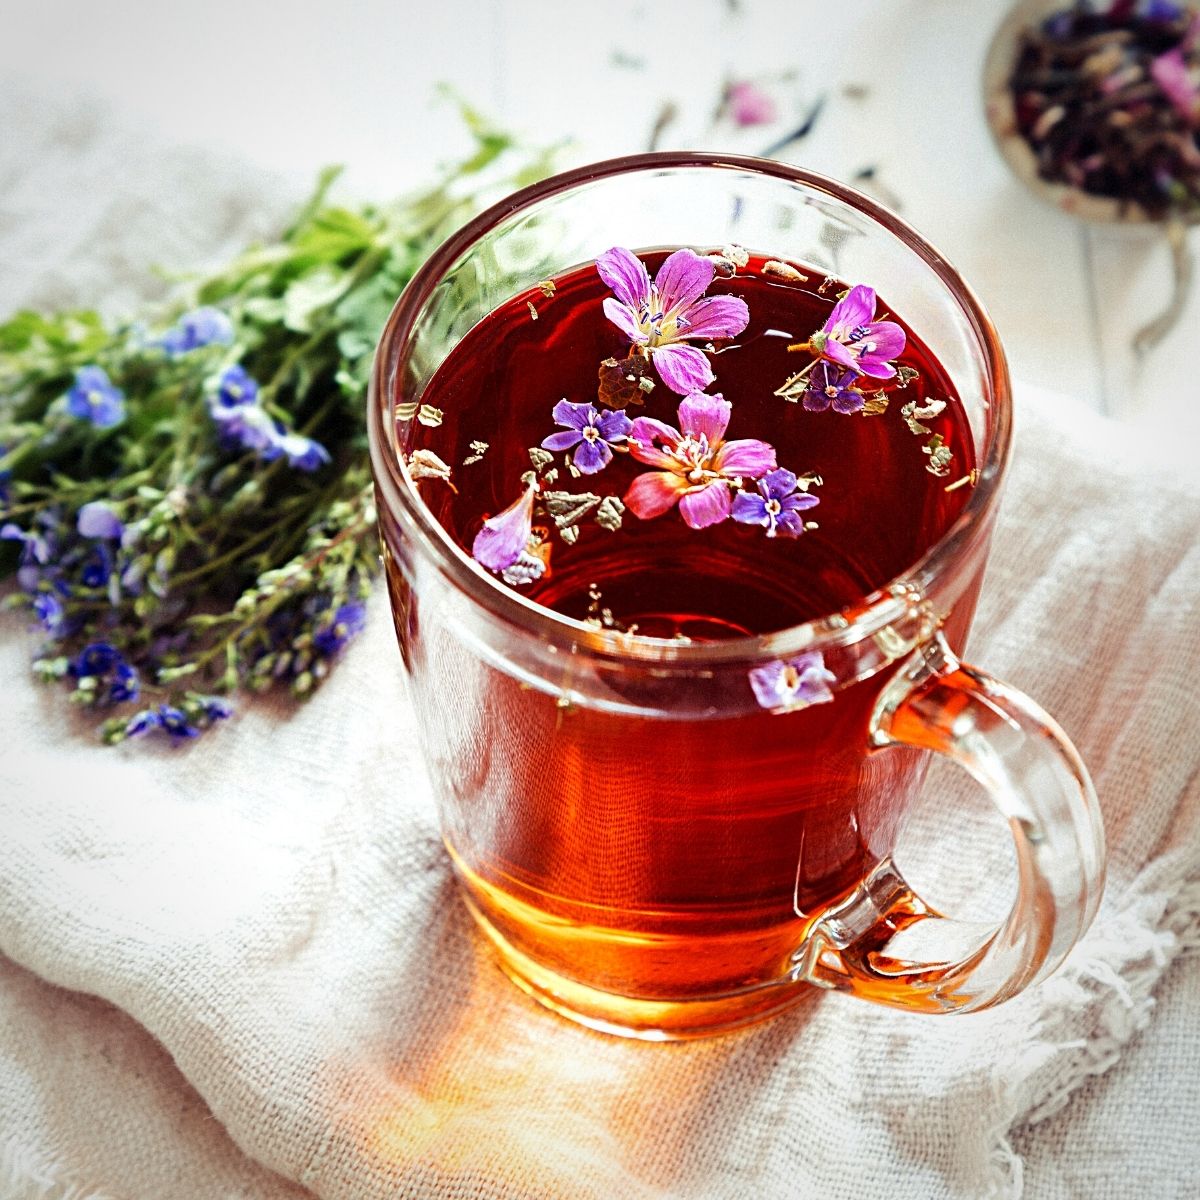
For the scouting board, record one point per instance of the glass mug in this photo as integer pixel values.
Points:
(652, 852)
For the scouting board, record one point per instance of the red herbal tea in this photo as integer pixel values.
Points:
(629, 848)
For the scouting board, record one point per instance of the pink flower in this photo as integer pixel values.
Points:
(852, 337)
(749, 104)
(662, 316)
(796, 683)
(504, 537)
(1177, 82)
(698, 469)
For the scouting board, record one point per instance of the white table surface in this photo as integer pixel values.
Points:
(293, 86)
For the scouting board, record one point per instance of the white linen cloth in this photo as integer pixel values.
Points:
(272, 988)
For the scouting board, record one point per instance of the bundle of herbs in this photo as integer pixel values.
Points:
(185, 500)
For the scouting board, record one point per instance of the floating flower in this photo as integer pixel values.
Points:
(348, 620)
(661, 317)
(829, 385)
(796, 683)
(749, 104)
(853, 339)
(95, 398)
(776, 504)
(503, 538)
(204, 326)
(698, 467)
(97, 520)
(593, 432)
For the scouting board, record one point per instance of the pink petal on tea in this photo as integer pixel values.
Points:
(643, 435)
(683, 278)
(856, 308)
(499, 543)
(624, 320)
(708, 506)
(684, 369)
(626, 275)
(703, 415)
(888, 337)
(747, 457)
(838, 353)
(715, 317)
(652, 494)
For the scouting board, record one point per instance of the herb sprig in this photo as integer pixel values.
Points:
(186, 500)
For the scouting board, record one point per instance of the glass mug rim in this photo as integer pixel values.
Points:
(875, 610)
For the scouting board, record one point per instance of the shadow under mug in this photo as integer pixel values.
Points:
(630, 877)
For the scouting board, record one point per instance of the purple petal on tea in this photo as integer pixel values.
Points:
(777, 484)
(625, 320)
(715, 317)
(562, 441)
(749, 508)
(626, 275)
(856, 308)
(708, 506)
(614, 426)
(654, 493)
(684, 369)
(746, 456)
(592, 456)
(573, 416)
(503, 537)
(683, 278)
(701, 415)
(838, 353)
(797, 683)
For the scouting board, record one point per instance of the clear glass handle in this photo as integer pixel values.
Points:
(1037, 781)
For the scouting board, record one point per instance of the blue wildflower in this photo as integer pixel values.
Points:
(142, 723)
(175, 722)
(48, 609)
(236, 387)
(97, 567)
(214, 708)
(347, 621)
(303, 453)
(97, 520)
(205, 326)
(106, 664)
(95, 398)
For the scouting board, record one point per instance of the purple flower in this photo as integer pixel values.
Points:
(95, 398)
(302, 452)
(205, 326)
(796, 683)
(48, 609)
(698, 468)
(176, 722)
(36, 552)
(105, 663)
(347, 621)
(97, 567)
(662, 316)
(853, 339)
(776, 505)
(749, 104)
(97, 520)
(214, 708)
(592, 431)
(503, 538)
(236, 387)
(831, 385)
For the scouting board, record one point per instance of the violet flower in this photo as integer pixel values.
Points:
(853, 339)
(593, 432)
(776, 504)
(661, 317)
(503, 538)
(204, 326)
(796, 683)
(97, 520)
(829, 385)
(95, 398)
(698, 468)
